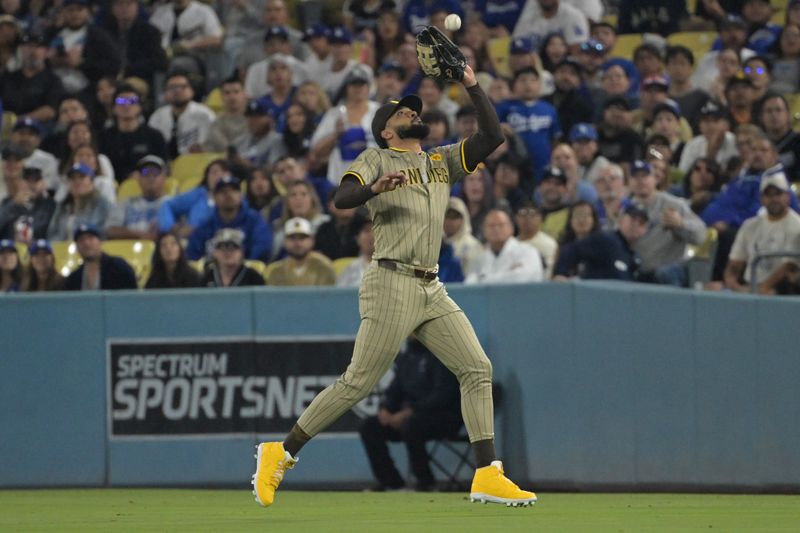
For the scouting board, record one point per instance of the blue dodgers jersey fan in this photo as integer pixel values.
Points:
(536, 122)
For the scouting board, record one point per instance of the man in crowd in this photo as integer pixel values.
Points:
(137, 218)
(304, 266)
(231, 122)
(777, 122)
(34, 90)
(26, 137)
(98, 271)
(183, 123)
(505, 259)
(227, 268)
(25, 214)
(529, 221)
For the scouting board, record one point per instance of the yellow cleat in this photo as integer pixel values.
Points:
(491, 485)
(272, 461)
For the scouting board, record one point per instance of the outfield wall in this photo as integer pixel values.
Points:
(606, 385)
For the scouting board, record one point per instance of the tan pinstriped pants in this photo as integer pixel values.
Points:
(392, 306)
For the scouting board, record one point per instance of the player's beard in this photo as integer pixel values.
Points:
(414, 131)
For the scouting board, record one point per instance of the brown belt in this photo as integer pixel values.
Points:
(427, 275)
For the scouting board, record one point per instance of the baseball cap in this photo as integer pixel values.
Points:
(739, 78)
(228, 181)
(257, 107)
(777, 180)
(7, 244)
(28, 123)
(228, 236)
(411, 101)
(278, 32)
(569, 62)
(617, 101)
(358, 74)
(152, 160)
(593, 46)
(554, 173)
(669, 106)
(582, 131)
(636, 211)
(655, 82)
(32, 38)
(522, 45)
(732, 21)
(40, 244)
(316, 30)
(297, 226)
(32, 173)
(81, 168)
(712, 109)
(9, 19)
(639, 166)
(283, 59)
(341, 35)
(83, 229)
(394, 66)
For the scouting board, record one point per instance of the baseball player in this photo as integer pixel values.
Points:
(406, 191)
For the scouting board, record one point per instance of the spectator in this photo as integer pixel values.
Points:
(605, 254)
(715, 140)
(170, 269)
(311, 96)
(439, 134)
(137, 217)
(581, 222)
(762, 33)
(606, 33)
(717, 10)
(282, 88)
(431, 91)
(522, 54)
(535, 121)
(13, 164)
(758, 70)
(342, 62)
(99, 271)
(82, 206)
(12, 273)
(667, 123)
(26, 136)
(529, 221)
(287, 171)
(337, 237)
(301, 201)
(26, 214)
(42, 273)
(654, 92)
(352, 273)
(701, 185)
(615, 83)
(242, 20)
(260, 82)
(679, 68)
(101, 103)
(260, 144)
(231, 212)
(70, 111)
(227, 267)
(458, 234)
(317, 38)
(34, 90)
(505, 259)
(85, 153)
(420, 404)
(303, 266)
(477, 193)
(541, 17)
(296, 137)
(572, 105)
(673, 226)
(275, 15)
(80, 52)
(777, 229)
(786, 59)
(777, 122)
(728, 64)
(618, 142)
(648, 60)
(231, 122)
(564, 159)
(417, 13)
(130, 138)
(389, 82)
(591, 58)
(345, 131)
(550, 197)
(610, 186)
(733, 35)
(651, 16)
(183, 123)
(508, 172)
(740, 94)
(138, 42)
(407, 57)
(583, 140)
(389, 36)
(10, 35)
(261, 192)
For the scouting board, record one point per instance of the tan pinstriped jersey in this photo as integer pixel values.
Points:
(407, 222)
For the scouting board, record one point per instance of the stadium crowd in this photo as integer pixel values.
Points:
(639, 136)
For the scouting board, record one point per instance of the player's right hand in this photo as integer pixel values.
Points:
(388, 182)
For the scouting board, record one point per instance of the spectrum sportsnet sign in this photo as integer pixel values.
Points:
(170, 388)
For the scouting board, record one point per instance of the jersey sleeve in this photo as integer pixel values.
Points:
(367, 166)
(453, 155)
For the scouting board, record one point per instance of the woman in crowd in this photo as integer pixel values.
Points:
(311, 96)
(786, 60)
(82, 205)
(581, 221)
(554, 50)
(101, 108)
(701, 184)
(170, 269)
(301, 201)
(477, 194)
(728, 63)
(85, 153)
(184, 212)
(261, 192)
(389, 35)
(12, 275)
(300, 126)
(42, 273)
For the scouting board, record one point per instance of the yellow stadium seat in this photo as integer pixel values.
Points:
(138, 254)
(130, 188)
(340, 264)
(189, 168)
(22, 252)
(611, 18)
(703, 250)
(778, 17)
(699, 42)
(626, 44)
(267, 271)
(499, 51)
(198, 265)
(794, 106)
(259, 267)
(214, 101)
(9, 119)
(701, 260)
(67, 258)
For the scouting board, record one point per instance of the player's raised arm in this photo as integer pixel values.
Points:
(489, 135)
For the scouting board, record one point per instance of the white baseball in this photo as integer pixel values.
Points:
(452, 22)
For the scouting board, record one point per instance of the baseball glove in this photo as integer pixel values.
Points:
(438, 56)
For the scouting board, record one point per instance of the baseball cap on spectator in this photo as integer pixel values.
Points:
(669, 106)
(554, 173)
(283, 59)
(298, 226)
(80, 168)
(777, 180)
(228, 236)
(257, 107)
(640, 166)
(569, 63)
(525, 70)
(593, 46)
(83, 229)
(32, 173)
(276, 32)
(31, 37)
(40, 244)
(583, 131)
(712, 109)
(732, 21)
(393, 66)
(656, 82)
(151, 160)
(636, 211)
(739, 78)
(316, 30)
(341, 35)
(7, 244)
(358, 74)
(411, 101)
(228, 181)
(522, 45)
(29, 124)
(617, 101)
(9, 19)
(12, 151)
